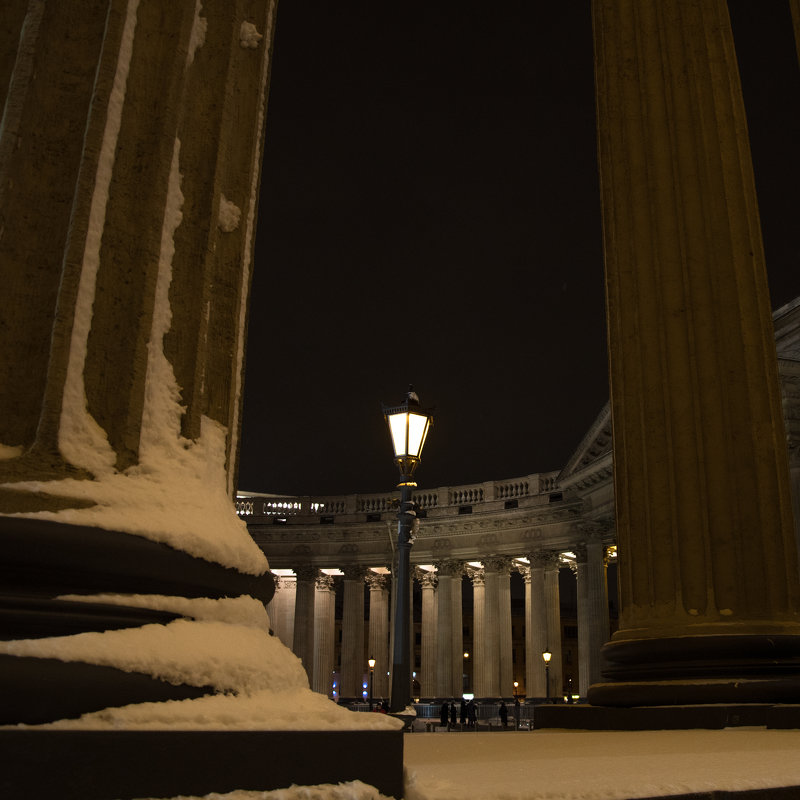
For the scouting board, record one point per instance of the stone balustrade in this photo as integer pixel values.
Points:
(441, 501)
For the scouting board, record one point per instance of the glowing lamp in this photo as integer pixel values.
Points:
(546, 656)
(408, 427)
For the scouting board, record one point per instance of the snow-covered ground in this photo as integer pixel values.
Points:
(576, 765)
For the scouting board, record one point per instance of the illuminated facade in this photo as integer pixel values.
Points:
(502, 571)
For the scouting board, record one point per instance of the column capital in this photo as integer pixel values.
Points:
(324, 583)
(546, 559)
(375, 581)
(476, 574)
(427, 578)
(501, 564)
(354, 572)
(306, 572)
(581, 553)
(449, 567)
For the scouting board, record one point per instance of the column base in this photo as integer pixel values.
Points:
(688, 670)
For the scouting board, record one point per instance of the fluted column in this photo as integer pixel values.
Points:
(354, 664)
(497, 626)
(324, 631)
(597, 603)
(457, 634)
(506, 642)
(281, 609)
(379, 631)
(584, 636)
(552, 599)
(449, 630)
(535, 626)
(303, 636)
(480, 651)
(704, 525)
(427, 673)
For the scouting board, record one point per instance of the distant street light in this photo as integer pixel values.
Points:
(516, 688)
(371, 662)
(546, 656)
(408, 427)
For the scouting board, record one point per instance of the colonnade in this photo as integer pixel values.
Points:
(302, 615)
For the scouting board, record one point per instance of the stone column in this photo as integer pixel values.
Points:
(379, 631)
(597, 603)
(427, 673)
(288, 603)
(303, 636)
(497, 627)
(707, 555)
(354, 664)
(552, 601)
(324, 632)
(479, 650)
(535, 627)
(506, 641)
(127, 247)
(281, 609)
(450, 652)
(584, 636)
(457, 633)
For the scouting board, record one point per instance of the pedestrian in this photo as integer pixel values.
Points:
(444, 714)
(462, 717)
(503, 713)
(472, 713)
(453, 713)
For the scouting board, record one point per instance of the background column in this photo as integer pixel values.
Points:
(324, 630)
(354, 664)
(379, 631)
(303, 637)
(535, 627)
(552, 599)
(427, 673)
(479, 649)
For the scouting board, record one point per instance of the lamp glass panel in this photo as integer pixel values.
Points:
(397, 429)
(417, 428)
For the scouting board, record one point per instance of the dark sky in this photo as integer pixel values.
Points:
(430, 214)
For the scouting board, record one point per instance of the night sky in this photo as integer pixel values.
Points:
(430, 214)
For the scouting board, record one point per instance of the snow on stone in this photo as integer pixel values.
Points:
(7, 451)
(596, 765)
(177, 496)
(231, 658)
(249, 36)
(261, 684)
(178, 492)
(197, 37)
(352, 790)
(244, 610)
(82, 441)
(229, 215)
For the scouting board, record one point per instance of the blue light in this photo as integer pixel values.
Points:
(363, 694)
(363, 685)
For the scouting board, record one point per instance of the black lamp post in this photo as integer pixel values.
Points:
(371, 662)
(408, 427)
(546, 656)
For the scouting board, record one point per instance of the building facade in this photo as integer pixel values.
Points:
(502, 571)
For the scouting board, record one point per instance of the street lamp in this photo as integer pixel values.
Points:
(546, 656)
(516, 689)
(371, 662)
(408, 427)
